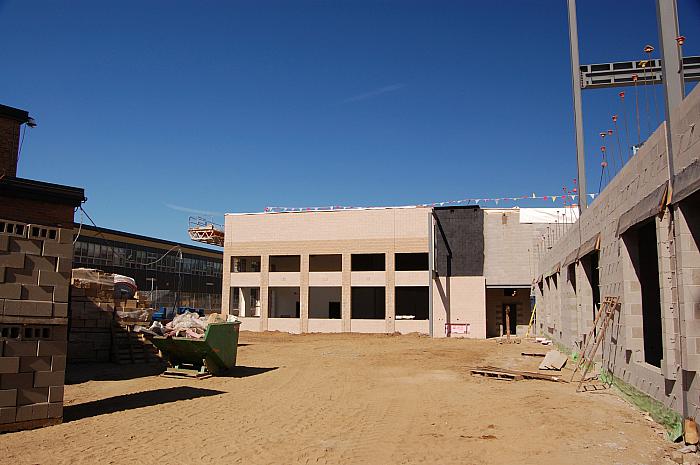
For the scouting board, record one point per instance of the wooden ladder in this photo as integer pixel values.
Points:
(593, 341)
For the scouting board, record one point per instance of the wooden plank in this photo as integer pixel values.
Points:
(497, 374)
(183, 373)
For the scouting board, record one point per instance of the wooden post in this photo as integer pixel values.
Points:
(508, 322)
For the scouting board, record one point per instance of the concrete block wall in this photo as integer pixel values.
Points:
(35, 268)
(686, 135)
(507, 247)
(678, 234)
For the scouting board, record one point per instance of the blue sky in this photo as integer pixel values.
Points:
(157, 108)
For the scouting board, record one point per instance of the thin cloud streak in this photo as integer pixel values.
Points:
(180, 208)
(373, 93)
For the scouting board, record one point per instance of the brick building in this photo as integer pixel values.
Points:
(382, 270)
(639, 241)
(36, 249)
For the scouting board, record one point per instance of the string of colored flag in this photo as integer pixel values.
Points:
(567, 198)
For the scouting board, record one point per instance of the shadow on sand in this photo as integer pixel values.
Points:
(243, 371)
(135, 400)
(82, 372)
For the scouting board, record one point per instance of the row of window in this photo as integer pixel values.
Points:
(331, 262)
(411, 302)
(128, 256)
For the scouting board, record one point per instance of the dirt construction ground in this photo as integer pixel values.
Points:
(342, 399)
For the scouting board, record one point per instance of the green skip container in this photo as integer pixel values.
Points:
(214, 354)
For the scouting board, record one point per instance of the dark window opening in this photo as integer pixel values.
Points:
(234, 305)
(646, 265)
(332, 262)
(589, 263)
(288, 263)
(368, 262)
(283, 302)
(571, 276)
(324, 302)
(368, 303)
(245, 301)
(411, 261)
(245, 264)
(334, 310)
(412, 301)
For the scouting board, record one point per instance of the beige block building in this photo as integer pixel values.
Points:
(380, 270)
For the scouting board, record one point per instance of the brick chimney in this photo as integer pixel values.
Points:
(11, 120)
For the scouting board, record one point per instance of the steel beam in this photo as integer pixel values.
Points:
(578, 108)
(620, 74)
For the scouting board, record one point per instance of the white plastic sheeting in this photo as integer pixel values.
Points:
(549, 215)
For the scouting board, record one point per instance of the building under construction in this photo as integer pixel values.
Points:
(444, 271)
(638, 244)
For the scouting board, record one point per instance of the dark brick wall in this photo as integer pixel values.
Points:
(461, 230)
(9, 144)
(34, 211)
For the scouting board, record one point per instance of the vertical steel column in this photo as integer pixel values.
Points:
(431, 269)
(674, 87)
(578, 110)
(674, 90)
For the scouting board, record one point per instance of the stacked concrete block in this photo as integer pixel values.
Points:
(91, 321)
(101, 324)
(34, 287)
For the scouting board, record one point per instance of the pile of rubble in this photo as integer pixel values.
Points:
(189, 325)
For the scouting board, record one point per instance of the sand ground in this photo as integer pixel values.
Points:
(341, 398)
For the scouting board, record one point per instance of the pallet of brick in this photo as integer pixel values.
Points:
(91, 319)
(101, 322)
(35, 268)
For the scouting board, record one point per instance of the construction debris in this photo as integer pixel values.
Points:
(188, 324)
(553, 360)
(532, 354)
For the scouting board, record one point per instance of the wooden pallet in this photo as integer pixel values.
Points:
(504, 375)
(191, 373)
(518, 373)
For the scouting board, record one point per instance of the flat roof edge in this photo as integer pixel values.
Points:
(327, 210)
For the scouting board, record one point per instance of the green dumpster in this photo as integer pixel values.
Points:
(214, 353)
